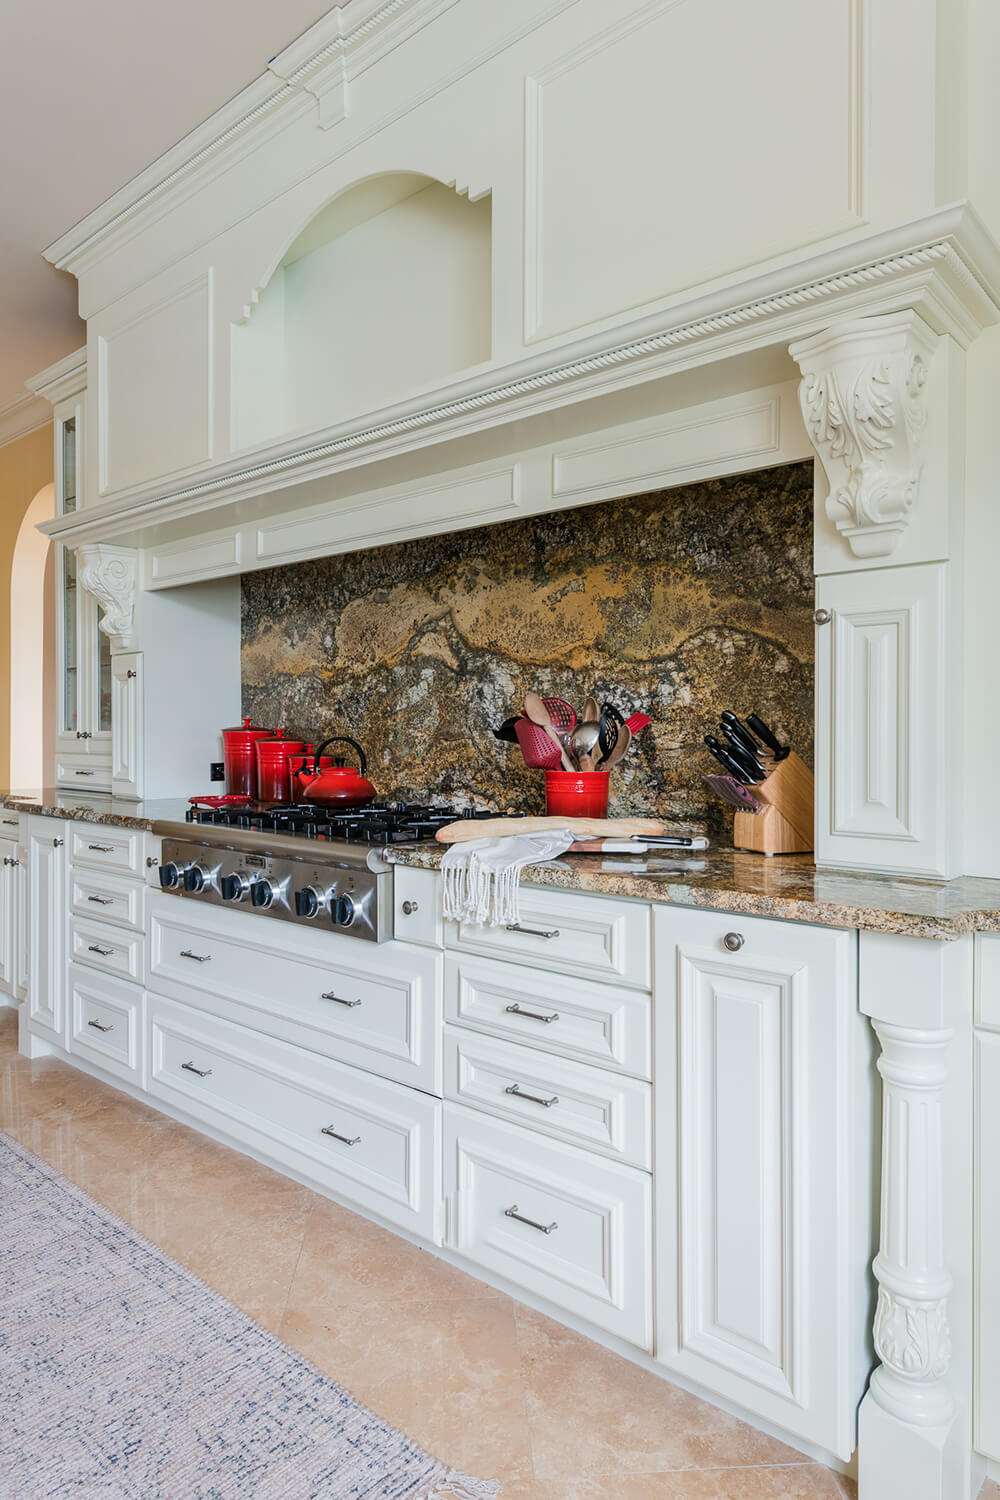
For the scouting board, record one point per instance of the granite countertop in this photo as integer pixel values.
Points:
(787, 886)
(94, 807)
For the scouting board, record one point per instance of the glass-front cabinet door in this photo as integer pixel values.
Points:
(83, 741)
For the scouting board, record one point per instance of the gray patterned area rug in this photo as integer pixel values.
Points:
(123, 1377)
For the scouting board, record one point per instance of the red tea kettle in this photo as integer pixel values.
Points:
(339, 784)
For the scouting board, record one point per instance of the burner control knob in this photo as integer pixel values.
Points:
(308, 901)
(170, 875)
(262, 893)
(234, 887)
(195, 877)
(343, 911)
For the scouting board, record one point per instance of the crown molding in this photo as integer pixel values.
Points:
(320, 63)
(21, 416)
(946, 267)
(67, 377)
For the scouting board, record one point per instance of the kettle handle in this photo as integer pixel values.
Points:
(339, 739)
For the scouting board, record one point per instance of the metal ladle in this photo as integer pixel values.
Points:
(584, 740)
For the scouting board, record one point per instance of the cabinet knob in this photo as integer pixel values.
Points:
(822, 616)
(733, 941)
(131, 672)
(58, 843)
(151, 862)
(409, 907)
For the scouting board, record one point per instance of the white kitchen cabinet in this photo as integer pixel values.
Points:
(761, 1228)
(987, 1379)
(48, 903)
(8, 916)
(126, 724)
(884, 748)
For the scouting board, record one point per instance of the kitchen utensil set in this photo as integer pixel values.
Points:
(552, 736)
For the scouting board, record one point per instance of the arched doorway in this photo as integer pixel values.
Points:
(32, 648)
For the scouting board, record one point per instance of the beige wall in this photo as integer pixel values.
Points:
(25, 466)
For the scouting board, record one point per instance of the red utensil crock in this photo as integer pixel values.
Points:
(576, 794)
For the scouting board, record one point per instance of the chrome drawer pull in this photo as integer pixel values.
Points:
(532, 931)
(535, 1098)
(102, 900)
(83, 773)
(10, 822)
(512, 1213)
(201, 1072)
(329, 995)
(104, 952)
(98, 1027)
(533, 1015)
(199, 958)
(101, 848)
(347, 1139)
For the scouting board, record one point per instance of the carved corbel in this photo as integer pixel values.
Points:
(111, 574)
(862, 396)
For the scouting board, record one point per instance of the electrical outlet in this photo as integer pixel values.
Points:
(217, 771)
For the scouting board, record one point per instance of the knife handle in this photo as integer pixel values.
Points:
(748, 761)
(738, 733)
(765, 735)
(727, 761)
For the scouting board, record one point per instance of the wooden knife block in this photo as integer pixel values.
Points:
(786, 824)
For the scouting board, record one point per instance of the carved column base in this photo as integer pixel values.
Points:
(897, 1460)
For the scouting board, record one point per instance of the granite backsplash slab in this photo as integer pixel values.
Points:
(679, 603)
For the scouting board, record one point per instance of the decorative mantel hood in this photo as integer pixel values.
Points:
(945, 267)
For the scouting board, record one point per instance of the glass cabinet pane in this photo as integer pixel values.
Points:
(104, 681)
(70, 648)
(69, 465)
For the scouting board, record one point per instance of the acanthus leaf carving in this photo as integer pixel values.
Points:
(862, 397)
(111, 575)
(912, 1337)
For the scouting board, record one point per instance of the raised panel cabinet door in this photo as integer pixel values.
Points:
(47, 917)
(8, 917)
(987, 1383)
(21, 923)
(882, 763)
(760, 1251)
(126, 724)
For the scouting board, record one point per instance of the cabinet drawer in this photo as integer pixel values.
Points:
(115, 950)
(97, 847)
(89, 771)
(586, 1106)
(10, 823)
(379, 1010)
(553, 1219)
(112, 898)
(417, 906)
(596, 1023)
(364, 1139)
(591, 936)
(106, 1023)
(987, 983)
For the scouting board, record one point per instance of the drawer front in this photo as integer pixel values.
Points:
(114, 950)
(595, 1023)
(417, 907)
(557, 1221)
(590, 936)
(106, 1023)
(987, 968)
(96, 847)
(362, 1138)
(112, 898)
(378, 1010)
(589, 1107)
(88, 772)
(10, 823)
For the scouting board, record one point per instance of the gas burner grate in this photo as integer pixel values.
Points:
(377, 824)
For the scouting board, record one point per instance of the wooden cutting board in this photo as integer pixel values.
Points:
(584, 828)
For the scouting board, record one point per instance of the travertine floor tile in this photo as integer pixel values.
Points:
(444, 1372)
(594, 1413)
(346, 1262)
(796, 1482)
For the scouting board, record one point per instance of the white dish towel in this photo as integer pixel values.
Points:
(482, 877)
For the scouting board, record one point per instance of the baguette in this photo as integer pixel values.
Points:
(584, 828)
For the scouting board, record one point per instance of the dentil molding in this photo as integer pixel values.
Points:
(862, 397)
(111, 575)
